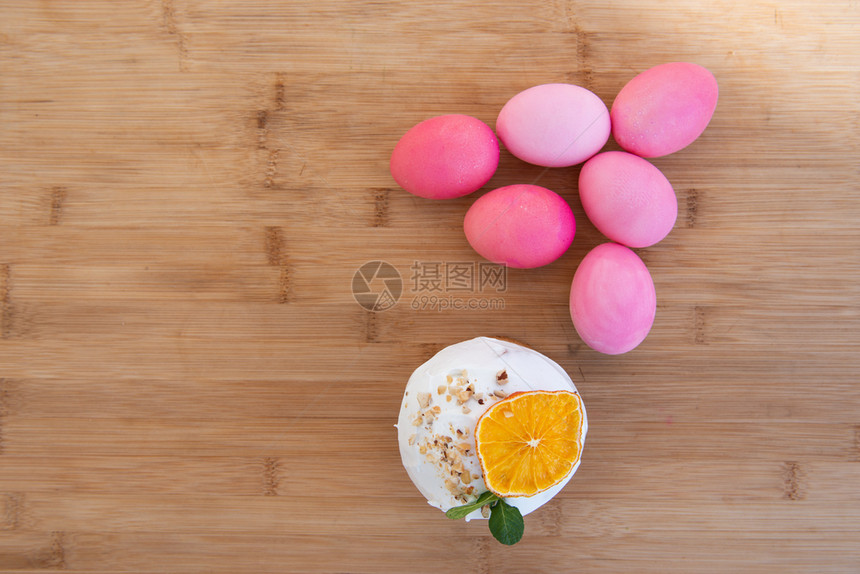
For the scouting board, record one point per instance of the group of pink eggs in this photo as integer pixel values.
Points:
(660, 111)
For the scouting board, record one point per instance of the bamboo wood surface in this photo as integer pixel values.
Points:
(187, 384)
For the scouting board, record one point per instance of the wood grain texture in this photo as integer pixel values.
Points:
(188, 385)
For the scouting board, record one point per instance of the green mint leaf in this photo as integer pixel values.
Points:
(459, 512)
(506, 523)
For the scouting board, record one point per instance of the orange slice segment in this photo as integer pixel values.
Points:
(530, 441)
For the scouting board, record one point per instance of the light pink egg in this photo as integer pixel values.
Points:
(664, 109)
(445, 157)
(554, 125)
(522, 226)
(627, 198)
(612, 299)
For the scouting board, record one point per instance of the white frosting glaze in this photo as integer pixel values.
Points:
(476, 363)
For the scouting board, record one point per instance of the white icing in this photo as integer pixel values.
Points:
(482, 359)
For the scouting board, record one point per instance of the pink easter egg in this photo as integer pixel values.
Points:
(612, 299)
(627, 198)
(554, 125)
(521, 226)
(445, 157)
(664, 109)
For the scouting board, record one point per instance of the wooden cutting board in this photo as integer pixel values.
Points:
(187, 383)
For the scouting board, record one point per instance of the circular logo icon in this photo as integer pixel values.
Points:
(377, 286)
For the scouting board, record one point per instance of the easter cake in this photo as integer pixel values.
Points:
(454, 412)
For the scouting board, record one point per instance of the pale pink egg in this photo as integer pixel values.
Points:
(627, 198)
(522, 226)
(664, 109)
(554, 125)
(445, 157)
(612, 299)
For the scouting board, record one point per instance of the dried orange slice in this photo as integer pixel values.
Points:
(530, 441)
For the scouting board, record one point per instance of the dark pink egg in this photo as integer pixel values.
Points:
(445, 157)
(521, 226)
(664, 109)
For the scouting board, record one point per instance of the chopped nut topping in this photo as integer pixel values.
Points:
(423, 400)
(485, 511)
(501, 394)
(450, 453)
(502, 377)
(449, 378)
(480, 401)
